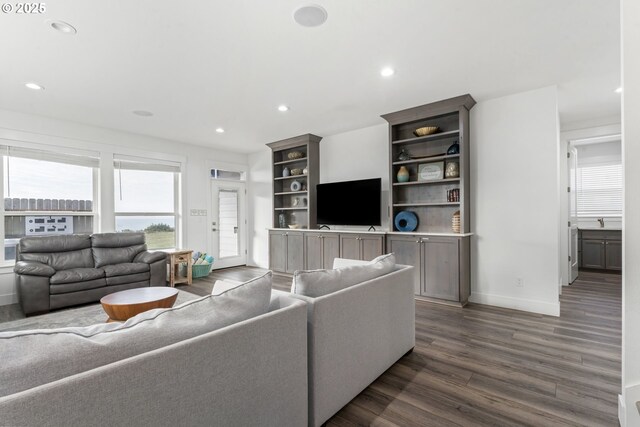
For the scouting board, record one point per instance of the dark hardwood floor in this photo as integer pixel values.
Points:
(484, 365)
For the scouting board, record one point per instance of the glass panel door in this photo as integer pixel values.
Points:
(228, 235)
(228, 217)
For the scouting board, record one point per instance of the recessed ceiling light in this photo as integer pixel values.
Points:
(310, 16)
(619, 90)
(219, 130)
(387, 72)
(63, 27)
(34, 86)
(143, 113)
(283, 108)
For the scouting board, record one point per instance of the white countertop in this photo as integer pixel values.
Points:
(399, 233)
(601, 228)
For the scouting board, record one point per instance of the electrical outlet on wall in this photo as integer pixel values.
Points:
(519, 282)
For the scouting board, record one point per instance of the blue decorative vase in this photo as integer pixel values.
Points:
(406, 221)
(403, 174)
(286, 171)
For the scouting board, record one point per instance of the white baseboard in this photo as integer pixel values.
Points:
(7, 299)
(622, 411)
(541, 307)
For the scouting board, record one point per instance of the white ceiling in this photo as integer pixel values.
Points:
(201, 65)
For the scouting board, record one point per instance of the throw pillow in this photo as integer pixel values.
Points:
(32, 358)
(316, 283)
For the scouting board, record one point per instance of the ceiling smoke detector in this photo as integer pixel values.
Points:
(310, 16)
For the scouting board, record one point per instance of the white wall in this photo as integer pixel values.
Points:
(24, 128)
(515, 202)
(260, 201)
(631, 227)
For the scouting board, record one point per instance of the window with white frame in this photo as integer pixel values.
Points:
(147, 199)
(599, 189)
(46, 192)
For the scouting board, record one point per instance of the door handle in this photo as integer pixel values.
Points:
(235, 230)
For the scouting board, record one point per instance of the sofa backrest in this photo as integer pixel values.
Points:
(59, 252)
(116, 248)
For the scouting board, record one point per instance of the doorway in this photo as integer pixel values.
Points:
(228, 224)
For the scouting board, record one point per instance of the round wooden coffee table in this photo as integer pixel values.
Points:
(122, 305)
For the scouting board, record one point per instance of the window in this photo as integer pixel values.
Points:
(46, 193)
(599, 190)
(147, 199)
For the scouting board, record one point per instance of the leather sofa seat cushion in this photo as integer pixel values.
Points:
(125, 269)
(129, 278)
(316, 283)
(93, 346)
(65, 288)
(51, 244)
(76, 275)
(112, 256)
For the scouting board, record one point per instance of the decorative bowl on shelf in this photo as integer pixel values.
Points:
(295, 226)
(426, 130)
(296, 171)
(295, 155)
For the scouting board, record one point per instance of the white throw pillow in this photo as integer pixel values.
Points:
(32, 358)
(316, 283)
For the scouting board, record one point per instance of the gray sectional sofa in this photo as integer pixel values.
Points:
(58, 271)
(236, 359)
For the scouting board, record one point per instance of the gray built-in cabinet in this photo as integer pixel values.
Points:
(363, 246)
(315, 249)
(600, 249)
(286, 251)
(439, 254)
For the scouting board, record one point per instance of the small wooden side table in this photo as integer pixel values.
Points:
(174, 259)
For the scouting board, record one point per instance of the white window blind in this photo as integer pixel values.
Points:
(599, 190)
(138, 163)
(88, 159)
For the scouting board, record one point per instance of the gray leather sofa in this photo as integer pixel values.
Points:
(58, 271)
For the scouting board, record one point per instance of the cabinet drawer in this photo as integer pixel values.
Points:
(601, 234)
(182, 258)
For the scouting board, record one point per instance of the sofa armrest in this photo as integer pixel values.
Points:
(33, 268)
(150, 257)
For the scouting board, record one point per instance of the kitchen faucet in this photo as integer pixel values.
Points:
(601, 221)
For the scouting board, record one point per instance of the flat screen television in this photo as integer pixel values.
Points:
(349, 202)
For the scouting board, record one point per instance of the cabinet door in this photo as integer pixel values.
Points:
(441, 268)
(614, 255)
(277, 251)
(313, 251)
(295, 252)
(330, 249)
(349, 246)
(407, 252)
(371, 247)
(593, 253)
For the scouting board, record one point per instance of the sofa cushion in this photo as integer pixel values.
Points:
(316, 283)
(65, 288)
(48, 244)
(128, 278)
(113, 256)
(32, 358)
(116, 240)
(76, 275)
(125, 268)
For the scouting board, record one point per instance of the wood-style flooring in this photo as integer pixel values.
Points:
(488, 366)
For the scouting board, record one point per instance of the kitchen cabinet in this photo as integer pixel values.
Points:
(286, 251)
(441, 265)
(361, 246)
(601, 249)
(320, 250)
